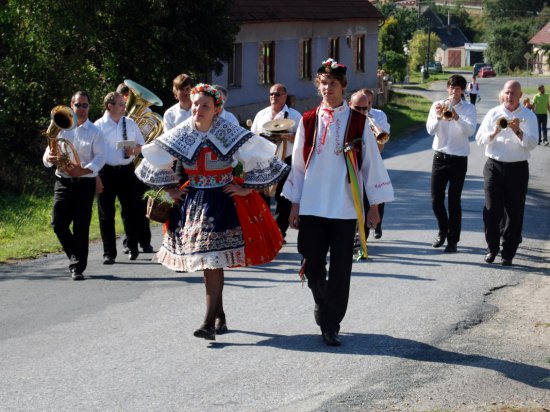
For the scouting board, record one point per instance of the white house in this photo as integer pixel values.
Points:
(285, 41)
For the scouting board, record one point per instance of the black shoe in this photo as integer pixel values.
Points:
(439, 241)
(147, 249)
(451, 248)
(331, 338)
(378, 233)
(133, 255)
(490, 257)
(108, 260)
(76, 274)
(206, 332)
(126, 250)
(506, 262)
(221, 326)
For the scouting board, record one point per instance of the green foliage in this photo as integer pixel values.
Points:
(418, 48)
(407, 17)
(390, 37)
(497, 10)
(508, 44)
(50, 49)
(394, 64)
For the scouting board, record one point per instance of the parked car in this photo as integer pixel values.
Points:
(487, 71)
(435, 67)
(477, 68)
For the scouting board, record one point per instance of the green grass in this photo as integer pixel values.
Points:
(406, 113)
(25, 230)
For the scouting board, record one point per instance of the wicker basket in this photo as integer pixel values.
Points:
(157, 210)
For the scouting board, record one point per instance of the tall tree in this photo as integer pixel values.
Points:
(49, 49)
(418, 48)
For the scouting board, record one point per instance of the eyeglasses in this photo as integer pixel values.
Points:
(361, 108)
(276, 94)
(83, 105)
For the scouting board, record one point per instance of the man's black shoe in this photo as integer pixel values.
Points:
(506, 262)
(148, 249)
(331, 338)
(490, 257)
(378, 233)
(108, 260)
(451, 248)
(76, 274)
(133, 255)
(125, 250)
(439, 241)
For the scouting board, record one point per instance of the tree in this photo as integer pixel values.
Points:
(395, 64)
(407, 17)
(389, 37)
(49, 49)
(496, 10)
(418, 48)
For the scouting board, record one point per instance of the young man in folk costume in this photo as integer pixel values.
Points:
(322, 202)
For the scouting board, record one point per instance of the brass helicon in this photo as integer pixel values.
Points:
(62, 118)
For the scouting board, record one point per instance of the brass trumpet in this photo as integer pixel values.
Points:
(502, 122)
(448, 109)
(62, 118)
(382, 136)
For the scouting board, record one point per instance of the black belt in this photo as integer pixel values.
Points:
(118, 166)
(449, 156)
(72, 179)
(500, 162)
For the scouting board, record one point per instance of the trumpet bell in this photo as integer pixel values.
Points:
(502, 123)
(383, 138)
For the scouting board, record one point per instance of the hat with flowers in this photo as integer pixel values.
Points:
(210, 90)
(331, 66)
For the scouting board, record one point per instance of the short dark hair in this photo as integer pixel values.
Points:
(80, 93)
(110, 99)
(457, 80)
(181, 81)
(122, 89)
(336, 76)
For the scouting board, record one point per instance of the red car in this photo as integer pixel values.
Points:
(487, 71)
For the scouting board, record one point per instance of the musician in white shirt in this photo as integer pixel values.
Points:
(278, 109)
(74, 188)
(509, 132)
(123, 141)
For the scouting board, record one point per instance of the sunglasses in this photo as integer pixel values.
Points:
(83, 105)
(276, 94)
(361, 108)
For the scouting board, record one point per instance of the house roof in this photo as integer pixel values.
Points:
(249, 11)
(542, 37)
(450, 34)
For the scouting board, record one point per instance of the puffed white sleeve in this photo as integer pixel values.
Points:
(156, 167)
(376, 180)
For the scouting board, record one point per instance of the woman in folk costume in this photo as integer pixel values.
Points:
(220, 222)
(324, 205)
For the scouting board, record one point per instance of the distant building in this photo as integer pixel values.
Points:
(285, 41)
(539, 57)
(452, 52)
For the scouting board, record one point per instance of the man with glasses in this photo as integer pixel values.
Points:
(451, 121)
(362, 101)
(123, 141)
(279, 110)
(74, 187)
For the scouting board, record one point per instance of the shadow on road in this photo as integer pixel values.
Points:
(385, 345)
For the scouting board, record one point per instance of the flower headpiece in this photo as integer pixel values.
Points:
(210, 90)
(332, 66)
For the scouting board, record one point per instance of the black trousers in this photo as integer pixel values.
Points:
(448, 170)
(381, 207)
(505, 193)
(542, 120)
(121, 182)
(318, 236)
(144, 231)
(473, 98)
(72, 204)
(283, 204)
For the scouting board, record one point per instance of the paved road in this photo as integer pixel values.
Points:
(122, 339)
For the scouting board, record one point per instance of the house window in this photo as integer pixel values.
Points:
(305, 59)
(360, 54)
(266, 72)
(234, 66)
(334, 48)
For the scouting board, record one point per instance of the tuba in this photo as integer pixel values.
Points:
(137, 107)
(382, 136)
(62, 118)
